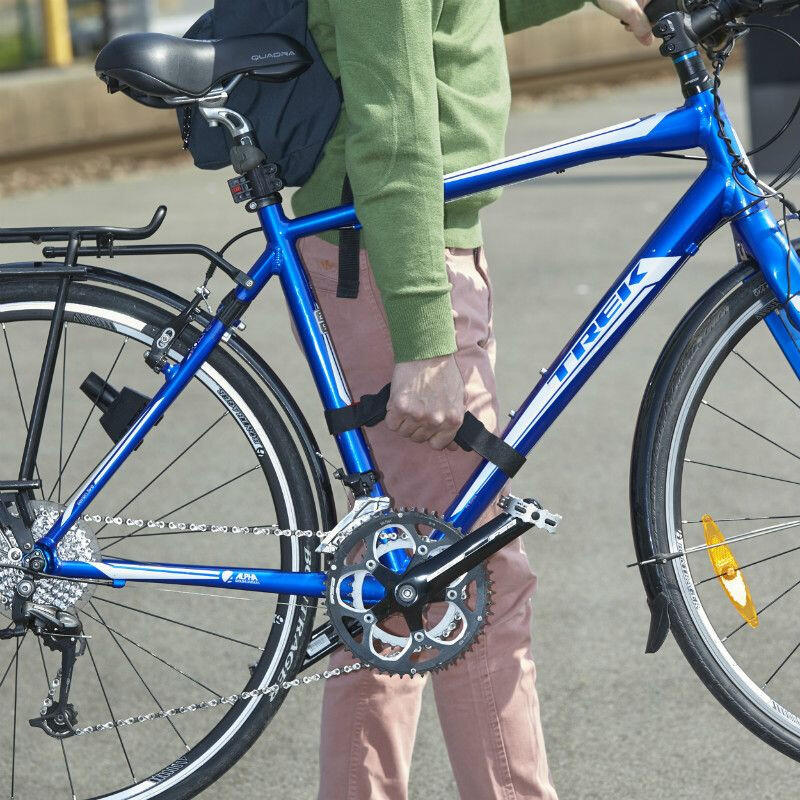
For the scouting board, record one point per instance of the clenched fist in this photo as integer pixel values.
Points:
(427, 401)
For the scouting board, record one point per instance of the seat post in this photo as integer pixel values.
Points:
(261, 178)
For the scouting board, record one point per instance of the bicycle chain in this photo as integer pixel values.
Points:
(220, 701)
(202, 527)
(214, 702)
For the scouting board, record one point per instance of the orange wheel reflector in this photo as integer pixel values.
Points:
(727, 571)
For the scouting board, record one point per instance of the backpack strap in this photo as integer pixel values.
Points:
(349, 244)
(472, 435)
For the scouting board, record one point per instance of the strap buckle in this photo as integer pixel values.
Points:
(472, 435)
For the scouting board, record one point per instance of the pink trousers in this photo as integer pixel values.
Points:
(487, 702)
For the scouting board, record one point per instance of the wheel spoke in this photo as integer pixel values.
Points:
(57, 484)
(61, 424)
(702, 548)
(764, 608)
(781, 665)
(150, 653)
(171, 464)
(110, 710)
(770, 382)
(244, 596)
(752, 430)
(14, 721)
(739, 519)
(182, 506)
(752, 564)
(19, 397)
(138, 674)
(178, 622)
(8, 668)
(741, 471)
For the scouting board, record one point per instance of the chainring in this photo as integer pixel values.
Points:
(424, 638)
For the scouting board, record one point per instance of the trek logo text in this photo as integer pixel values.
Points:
(636, 285)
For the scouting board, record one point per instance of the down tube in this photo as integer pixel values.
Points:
(677, 238)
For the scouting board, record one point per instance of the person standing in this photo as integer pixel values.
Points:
(426, 92)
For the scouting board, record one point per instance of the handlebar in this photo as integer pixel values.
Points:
(702, 20)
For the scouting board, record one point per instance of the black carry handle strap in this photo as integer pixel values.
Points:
(368, 411)
(349, 244)
(472, 435)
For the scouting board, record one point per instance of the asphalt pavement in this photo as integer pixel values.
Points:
(619, 723)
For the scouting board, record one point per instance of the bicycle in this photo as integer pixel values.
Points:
(58, 580)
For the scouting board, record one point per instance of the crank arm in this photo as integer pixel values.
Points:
(324, 641)
(435, 574)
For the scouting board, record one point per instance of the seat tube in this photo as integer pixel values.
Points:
(314, 337)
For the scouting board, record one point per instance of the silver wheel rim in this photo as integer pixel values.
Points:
(783, 717)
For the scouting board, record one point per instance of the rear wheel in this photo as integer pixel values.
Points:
(717, 452)
(222, 456)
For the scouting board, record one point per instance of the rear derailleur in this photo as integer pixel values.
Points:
(60, 631)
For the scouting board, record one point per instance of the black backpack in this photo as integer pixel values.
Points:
(292, 120)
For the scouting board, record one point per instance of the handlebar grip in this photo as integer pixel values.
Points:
(656, 9)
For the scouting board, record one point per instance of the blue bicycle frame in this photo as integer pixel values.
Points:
(714, 197)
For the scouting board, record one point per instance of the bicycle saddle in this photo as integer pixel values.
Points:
(161, 66)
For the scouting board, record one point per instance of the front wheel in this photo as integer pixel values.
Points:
(222, 455)
(716, 480)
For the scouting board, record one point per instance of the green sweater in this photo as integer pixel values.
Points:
(426, 92)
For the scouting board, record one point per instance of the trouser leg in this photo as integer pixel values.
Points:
(487, 702)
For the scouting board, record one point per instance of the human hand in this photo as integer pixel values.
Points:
(426, 403)
(630, 14)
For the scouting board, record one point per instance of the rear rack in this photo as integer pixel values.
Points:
(100, 234)
(104, 238)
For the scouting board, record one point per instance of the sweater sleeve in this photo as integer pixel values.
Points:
(517, 15)
(394, 161)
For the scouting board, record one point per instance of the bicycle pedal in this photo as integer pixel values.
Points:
(530, 510)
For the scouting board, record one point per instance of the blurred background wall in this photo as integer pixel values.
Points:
(48, 45)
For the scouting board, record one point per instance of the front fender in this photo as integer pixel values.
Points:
(641, 491)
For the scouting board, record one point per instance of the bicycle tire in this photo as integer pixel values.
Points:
(675, 390)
